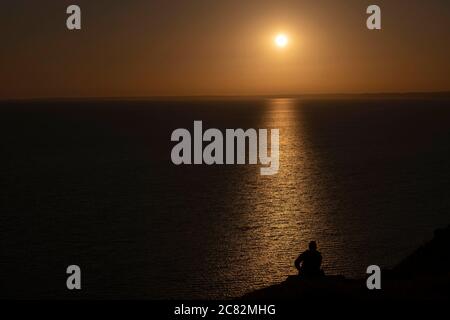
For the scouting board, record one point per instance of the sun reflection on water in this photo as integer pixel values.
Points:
(283, 217)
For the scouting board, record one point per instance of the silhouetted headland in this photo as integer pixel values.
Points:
(425, 274)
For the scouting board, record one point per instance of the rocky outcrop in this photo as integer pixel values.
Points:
(424, 275)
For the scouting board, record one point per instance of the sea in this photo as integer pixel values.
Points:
(90, 182)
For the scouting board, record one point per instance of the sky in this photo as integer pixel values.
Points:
(143, 48)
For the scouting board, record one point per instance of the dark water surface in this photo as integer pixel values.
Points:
(92, 184)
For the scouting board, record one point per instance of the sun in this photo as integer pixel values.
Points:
(281, 40)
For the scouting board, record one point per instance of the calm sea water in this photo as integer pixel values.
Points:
(92, 184)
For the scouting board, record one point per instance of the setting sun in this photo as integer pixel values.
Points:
(281, 40)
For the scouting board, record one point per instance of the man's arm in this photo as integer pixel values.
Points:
(298, 261)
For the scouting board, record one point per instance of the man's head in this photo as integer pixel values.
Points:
(313, 246)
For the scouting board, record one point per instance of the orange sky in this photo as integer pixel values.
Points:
(147, 48)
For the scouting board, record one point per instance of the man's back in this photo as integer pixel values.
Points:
(308, 263)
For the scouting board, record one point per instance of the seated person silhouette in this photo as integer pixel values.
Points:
(308, 263)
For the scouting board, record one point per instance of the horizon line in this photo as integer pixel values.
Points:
(212, 96)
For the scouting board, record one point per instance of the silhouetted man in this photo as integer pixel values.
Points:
(308, 263)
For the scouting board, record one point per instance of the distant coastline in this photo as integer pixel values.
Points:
(380, 95)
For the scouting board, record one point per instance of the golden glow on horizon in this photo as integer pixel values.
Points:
(281, 40)
(293, 47)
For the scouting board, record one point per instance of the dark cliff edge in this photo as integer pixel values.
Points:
(423, 275)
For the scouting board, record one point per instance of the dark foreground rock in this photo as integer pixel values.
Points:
(424, 275)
